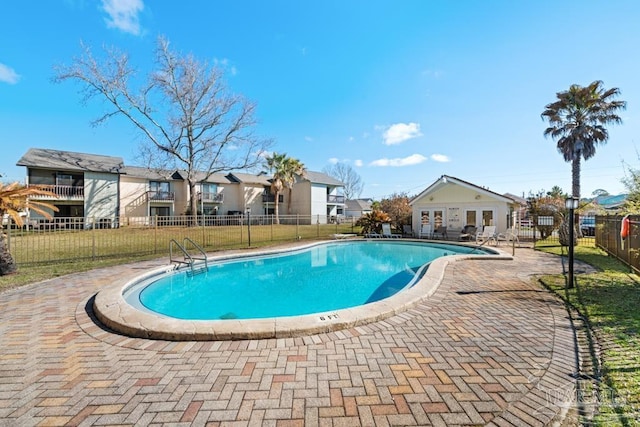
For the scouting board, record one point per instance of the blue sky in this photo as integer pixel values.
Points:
(402, 91)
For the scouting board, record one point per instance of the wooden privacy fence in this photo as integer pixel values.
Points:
(68, 239)
(608, 239)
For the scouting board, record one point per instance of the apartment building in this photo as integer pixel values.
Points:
(102, 187)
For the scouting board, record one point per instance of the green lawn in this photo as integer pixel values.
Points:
(41, 256)
(610, 301)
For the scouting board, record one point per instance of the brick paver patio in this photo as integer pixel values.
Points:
(490, 347)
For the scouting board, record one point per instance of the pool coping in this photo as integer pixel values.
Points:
(114, 312)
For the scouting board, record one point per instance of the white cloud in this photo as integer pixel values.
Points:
(436, 74)
(334, 160)
(8, 75)
(308, 139)
(123, 14)
(441, 158)
(411, 160)
(401, 132)
(357, 163)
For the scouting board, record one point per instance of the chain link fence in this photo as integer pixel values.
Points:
(69, 239)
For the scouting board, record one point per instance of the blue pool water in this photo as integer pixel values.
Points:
(321, 278)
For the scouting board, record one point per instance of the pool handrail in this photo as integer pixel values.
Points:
(188, 259)
(199, 248)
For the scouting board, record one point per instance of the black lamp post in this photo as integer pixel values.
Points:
(571, 203)
(249, 225)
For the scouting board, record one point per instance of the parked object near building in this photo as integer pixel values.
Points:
(588, 226)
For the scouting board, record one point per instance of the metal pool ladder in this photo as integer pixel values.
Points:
(188, 259)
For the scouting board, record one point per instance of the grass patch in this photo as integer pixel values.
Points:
(610, 301)
(45, 255)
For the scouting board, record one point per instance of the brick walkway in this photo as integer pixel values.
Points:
(489, 347)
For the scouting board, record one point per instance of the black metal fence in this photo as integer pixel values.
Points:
(608, 239)
(69, 239)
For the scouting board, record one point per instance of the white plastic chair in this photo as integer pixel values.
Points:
(487, 235)
(509, 236)
(386, 231)
(425, 231)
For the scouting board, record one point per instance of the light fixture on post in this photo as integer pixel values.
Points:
(249, 225)
(571, 203)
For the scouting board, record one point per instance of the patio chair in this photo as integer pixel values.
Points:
(487, 235)
(386, 231)
(425, 231)
(440, 231)
(509, 236)
(468, 232)
(407, 230)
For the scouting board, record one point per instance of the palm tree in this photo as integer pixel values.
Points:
(296, 168)
(284, 170)
(14, 198)
(372, 222)
(578, 120)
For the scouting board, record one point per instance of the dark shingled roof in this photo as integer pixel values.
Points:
(322, 178)
(42, 158)
(150, 173)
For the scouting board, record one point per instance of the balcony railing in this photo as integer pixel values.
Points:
(335, 199)
(61, 191)
(161, 196)
(211, 197)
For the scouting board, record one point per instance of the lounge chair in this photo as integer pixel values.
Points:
(468, 232)
(440, 231)
(341, 236)
(509, 236)
(425, 231)
(407, 231)
(487, 235)
(386, 231)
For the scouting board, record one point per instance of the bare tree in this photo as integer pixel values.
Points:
(188, 117)
(344, 173)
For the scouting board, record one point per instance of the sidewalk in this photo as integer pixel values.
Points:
(489, 347)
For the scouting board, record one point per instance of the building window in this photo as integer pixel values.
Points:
(159, 211)
(160, 191)
(438, 218)
(159, 186)
(425, 218)
(210, 210)
(471, 218)
(209, 189)
(68, 179)
(487, 218)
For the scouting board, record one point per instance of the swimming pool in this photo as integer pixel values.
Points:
(404, 283)
(315, 279)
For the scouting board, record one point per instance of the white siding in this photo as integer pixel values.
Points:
(319, 202)
(454, 201)
(100, 195)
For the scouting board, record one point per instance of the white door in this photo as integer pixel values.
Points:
(434, 217)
